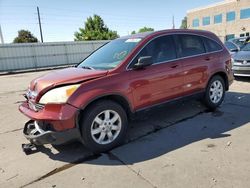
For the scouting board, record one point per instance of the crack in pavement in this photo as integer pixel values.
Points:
(12, 92)
(15, 130)
(89, 157)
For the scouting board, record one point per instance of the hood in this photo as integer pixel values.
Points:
(64, 76)
(242, 55)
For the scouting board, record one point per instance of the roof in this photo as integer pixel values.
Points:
(153, 33)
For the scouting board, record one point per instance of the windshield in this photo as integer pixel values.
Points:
(246, 47)
(230, 45)
(240, 43)
(110, 55)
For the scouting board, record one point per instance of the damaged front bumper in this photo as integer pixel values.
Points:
(53, 124)
(38, 135)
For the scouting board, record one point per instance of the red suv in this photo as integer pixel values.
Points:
(93, 101)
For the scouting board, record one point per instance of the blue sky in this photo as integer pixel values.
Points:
(61, 18)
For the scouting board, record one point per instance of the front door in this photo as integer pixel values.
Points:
(161, 81)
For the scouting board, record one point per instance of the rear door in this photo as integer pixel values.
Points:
(161, 81)
(191, 50)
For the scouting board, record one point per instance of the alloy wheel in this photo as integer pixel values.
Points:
(216, 91)
(106, 127)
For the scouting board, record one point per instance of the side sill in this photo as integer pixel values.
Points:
(197, 95)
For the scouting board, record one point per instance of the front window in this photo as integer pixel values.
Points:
(230, 16)
(161, 49)
(110, 55)
(246, 47)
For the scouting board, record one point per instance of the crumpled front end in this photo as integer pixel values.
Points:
(50, 123)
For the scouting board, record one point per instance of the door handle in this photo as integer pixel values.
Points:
(207, 58)
(174, 66)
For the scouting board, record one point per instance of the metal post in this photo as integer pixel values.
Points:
(40, 26)
(1, 35)
(173, 23)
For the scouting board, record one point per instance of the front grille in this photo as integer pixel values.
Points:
(39, 106)
(241, 72)
(35, 106)
(241, 63)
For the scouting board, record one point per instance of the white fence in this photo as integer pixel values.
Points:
(17, 57)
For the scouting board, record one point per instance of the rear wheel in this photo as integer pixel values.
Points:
(103, 126)
(215, 92)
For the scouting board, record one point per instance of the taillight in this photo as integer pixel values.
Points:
(229, 65)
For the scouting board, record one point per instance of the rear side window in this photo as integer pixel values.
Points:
(211, 46)
(189, 45)
(160, 49)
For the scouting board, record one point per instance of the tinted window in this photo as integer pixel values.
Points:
(230, 16)
(196, 22)
(206, 20)
(228, 37)
(230, 45)
(160, 49)
(246, 47)
(245, 13)
(211, 45)
(239, 41)
(218, 18)
(189, 45)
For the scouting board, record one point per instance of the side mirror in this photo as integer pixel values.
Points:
(143, 62)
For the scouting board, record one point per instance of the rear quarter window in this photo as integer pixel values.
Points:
(211, 45)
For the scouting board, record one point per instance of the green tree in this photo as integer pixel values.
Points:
(184, 23)
(95, 29)
(142, 30)
(133, 32)
(25, 36)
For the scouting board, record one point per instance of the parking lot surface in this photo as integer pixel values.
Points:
(178, 145)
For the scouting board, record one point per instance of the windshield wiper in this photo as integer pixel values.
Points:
(87, 67)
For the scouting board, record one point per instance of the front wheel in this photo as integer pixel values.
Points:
(103, 126)
(215, 92)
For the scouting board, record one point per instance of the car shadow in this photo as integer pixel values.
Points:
(161, 139)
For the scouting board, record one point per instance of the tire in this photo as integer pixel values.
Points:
(215, 92)
(97, 126)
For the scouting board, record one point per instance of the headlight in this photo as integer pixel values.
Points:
(58, 95)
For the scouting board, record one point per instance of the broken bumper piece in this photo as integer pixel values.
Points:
(38, 136)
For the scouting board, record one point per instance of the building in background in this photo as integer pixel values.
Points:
(227, 19)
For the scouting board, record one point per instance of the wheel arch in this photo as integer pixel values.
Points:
(118, 98)
(224, 76)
